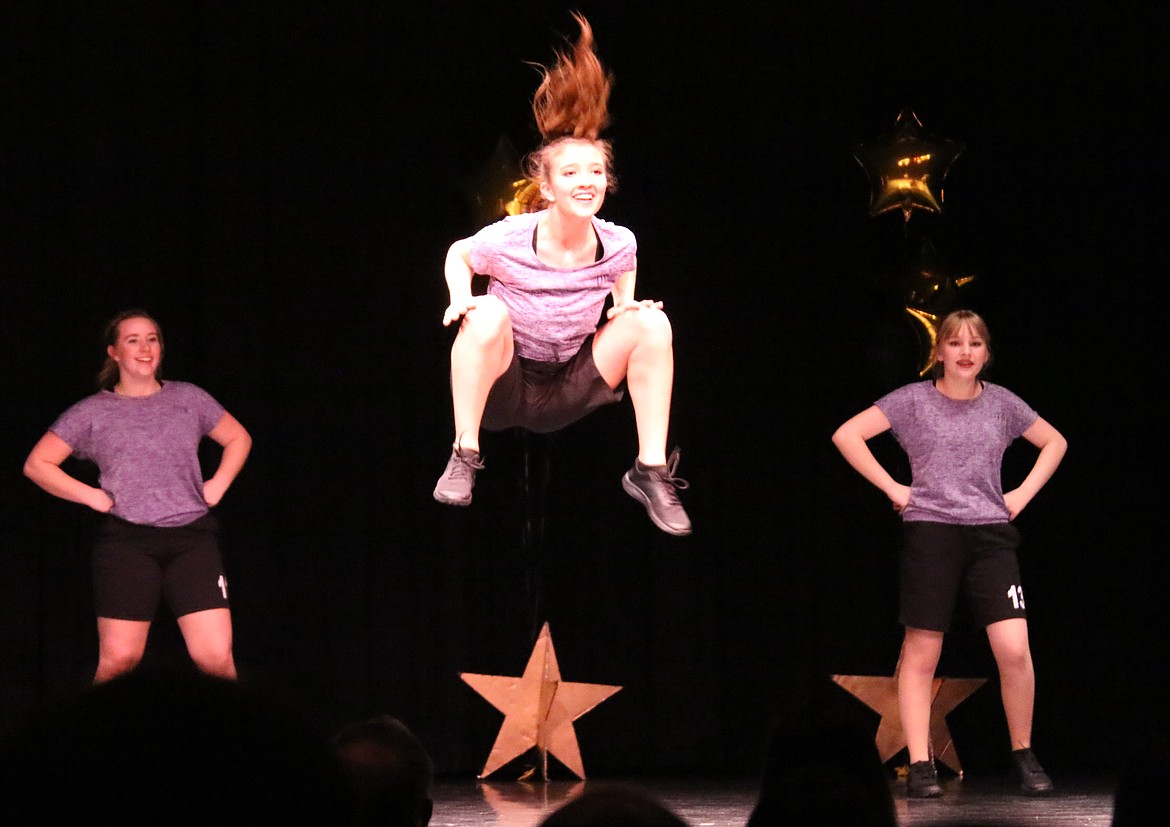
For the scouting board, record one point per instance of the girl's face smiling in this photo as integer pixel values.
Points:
(577, 179)
(963, 354)
(138, 350)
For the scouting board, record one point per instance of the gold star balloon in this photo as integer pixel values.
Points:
(526, 197)
(930, 292)
(906, 167)
(499, 188)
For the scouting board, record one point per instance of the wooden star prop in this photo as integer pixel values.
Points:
(539, 709)
(880, 694)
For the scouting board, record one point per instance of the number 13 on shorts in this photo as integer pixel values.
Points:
(1016, 595)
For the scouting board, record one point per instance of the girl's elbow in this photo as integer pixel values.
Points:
(33, 468)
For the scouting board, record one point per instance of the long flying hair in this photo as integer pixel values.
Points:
(571, 104)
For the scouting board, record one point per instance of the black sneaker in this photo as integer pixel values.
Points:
(654, 486)
(454, 487)
(1033, 780)
(922, 781)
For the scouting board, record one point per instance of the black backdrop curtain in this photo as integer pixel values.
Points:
(278, 183)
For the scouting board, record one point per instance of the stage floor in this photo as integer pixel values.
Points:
(1079, 801)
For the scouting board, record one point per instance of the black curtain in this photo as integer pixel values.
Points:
(278, 183)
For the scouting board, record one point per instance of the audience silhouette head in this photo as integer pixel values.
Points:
(388, 772)
(823, 772)
(176, 746)
(612, 806)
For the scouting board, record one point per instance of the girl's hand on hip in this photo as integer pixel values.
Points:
(213, 492)
(101, 501)
(899, 497)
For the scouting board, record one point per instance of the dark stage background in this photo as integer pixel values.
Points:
(278, 183)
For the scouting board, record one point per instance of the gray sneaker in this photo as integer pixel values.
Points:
(654, 486)
(454, 487)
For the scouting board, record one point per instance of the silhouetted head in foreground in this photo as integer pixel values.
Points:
(173, 746)
(612, 806)
(388, 772)
(820, 772)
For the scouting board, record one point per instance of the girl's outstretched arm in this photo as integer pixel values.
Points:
(458, 272)
(623, 295)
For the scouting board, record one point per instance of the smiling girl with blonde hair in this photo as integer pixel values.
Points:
(958, 535)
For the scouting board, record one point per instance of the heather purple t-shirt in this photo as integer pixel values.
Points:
(146, 449)
(553, 311)
(956, 450)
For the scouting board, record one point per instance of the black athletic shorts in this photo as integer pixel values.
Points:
(547, 396)
(940, 560)
(134, 566)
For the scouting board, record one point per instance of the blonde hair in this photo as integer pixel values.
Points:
(949, 326)
(571, 105)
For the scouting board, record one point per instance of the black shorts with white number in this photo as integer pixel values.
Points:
(134, 566)
(941, 560)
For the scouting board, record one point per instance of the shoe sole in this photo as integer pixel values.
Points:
(1037, 793)
(446, 500)
(636, 492)
(920, 796)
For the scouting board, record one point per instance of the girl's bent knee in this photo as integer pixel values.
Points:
(651, 323)
(487, 320)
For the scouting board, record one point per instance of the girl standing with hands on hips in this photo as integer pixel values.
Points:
(158, 538)
(957, 530)
(530, 353)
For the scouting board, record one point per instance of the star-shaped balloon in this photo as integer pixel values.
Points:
(539, 709)
(880, 694)
(499, 189)
(930, 292)
(906, 168)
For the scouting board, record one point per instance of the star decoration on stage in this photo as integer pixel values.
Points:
(880, 694)
(539, 709)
